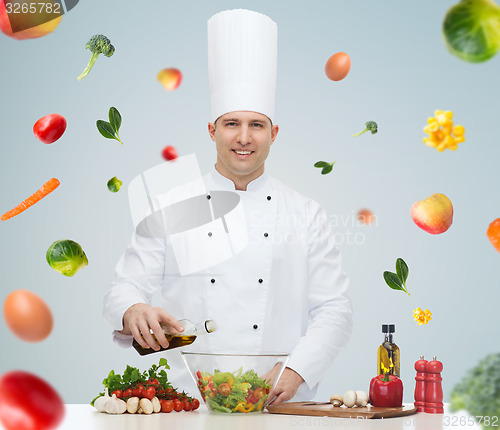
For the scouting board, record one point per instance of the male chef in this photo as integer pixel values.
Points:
(283, 291)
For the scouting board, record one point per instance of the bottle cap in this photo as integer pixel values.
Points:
(388, 328)
(210, 326)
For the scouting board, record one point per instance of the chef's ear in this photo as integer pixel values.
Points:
(274, 132)
(211, 130)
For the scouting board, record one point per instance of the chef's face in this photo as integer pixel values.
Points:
(243, 140)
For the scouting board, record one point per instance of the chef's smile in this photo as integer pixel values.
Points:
(242, 154)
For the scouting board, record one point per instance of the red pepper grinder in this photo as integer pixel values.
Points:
(421, 368)
(433, 388)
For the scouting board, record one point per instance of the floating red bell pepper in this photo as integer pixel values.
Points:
(386, 391)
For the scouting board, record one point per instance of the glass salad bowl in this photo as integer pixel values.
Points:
(235, 383)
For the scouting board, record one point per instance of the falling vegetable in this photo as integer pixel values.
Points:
(442, 133)
(110, 129)
(471, 30)
(49, 128)
(493, 234)
(114, 184)
(169, 153)
(98, 44)
(29, 402)
(370, 126)
(397, 281)
(66, 257)
(422, 317)
(325, 166)
(45, 189)
(478, 390)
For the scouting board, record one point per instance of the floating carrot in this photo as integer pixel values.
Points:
(45, 189)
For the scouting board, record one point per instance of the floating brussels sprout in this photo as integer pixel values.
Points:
(114, 184)
(471, 30)
(66, 257)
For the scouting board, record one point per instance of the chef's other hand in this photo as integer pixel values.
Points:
(139, 318)
(286, 387)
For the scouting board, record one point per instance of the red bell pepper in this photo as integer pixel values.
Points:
(386, 391)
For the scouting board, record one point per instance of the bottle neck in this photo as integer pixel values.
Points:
(388, 338)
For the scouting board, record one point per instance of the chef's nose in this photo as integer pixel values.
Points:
(244, 135)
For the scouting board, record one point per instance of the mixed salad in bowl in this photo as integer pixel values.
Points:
(233, 392)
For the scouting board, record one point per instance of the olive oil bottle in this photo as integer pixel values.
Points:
(175, 340)
(388, 357)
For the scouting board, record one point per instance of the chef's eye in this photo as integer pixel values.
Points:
(257, 124)
(231, 124)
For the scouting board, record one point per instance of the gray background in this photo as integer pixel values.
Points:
(401, 72)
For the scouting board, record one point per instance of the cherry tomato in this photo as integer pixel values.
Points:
(169, 153)
(188, 405)
(167, 406)
(224, 389)
(139, 391)
(153, 382)
(259, 392)
(28, 402)
(49, 128)
(128, 392)
(149, 393)
(119, 394)
(160, 392)
(196, 404)
(178, 405)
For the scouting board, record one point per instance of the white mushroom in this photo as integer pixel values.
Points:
(362, 398)
(132, 405)
(146, 406)
(336, 400)
(156, 404)
(350, 398)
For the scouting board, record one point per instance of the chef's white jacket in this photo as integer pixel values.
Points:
(284, 292)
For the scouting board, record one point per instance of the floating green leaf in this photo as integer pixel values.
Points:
(324, 166)
(397, 281)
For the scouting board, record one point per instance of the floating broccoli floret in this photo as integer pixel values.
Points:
(98, 44)
(370, 126)
(479, 390)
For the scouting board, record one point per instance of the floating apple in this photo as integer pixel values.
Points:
(433, 214)
(170, 78)
(493, 234)
(23, 24)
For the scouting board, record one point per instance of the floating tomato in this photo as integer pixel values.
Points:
(27, 402)
(49, 128)
(169, 153)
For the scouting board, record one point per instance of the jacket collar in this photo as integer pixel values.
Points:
(223, 183)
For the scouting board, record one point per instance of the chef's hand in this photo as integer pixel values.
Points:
(139, 318)
(286, 387)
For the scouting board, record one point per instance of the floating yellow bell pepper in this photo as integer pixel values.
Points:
(442, 133)
(422, 317)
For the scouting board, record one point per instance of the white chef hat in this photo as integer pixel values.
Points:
(242, 58)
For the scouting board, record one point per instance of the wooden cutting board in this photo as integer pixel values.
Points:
(326, 409)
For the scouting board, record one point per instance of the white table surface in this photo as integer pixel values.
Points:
(85, 417)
